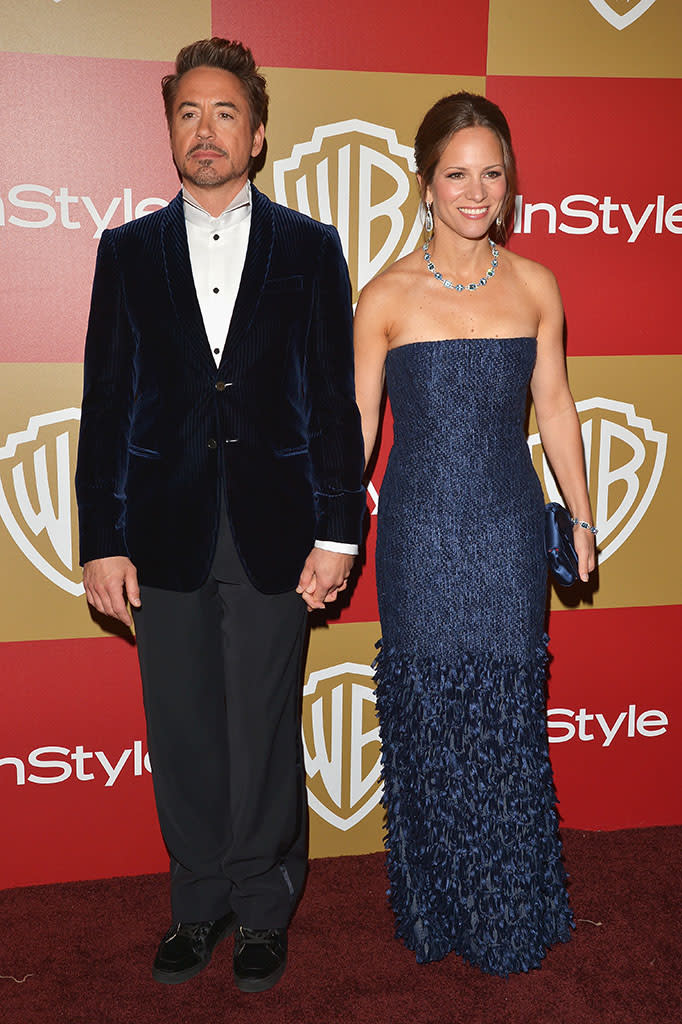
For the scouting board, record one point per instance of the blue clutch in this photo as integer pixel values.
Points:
(561, 555)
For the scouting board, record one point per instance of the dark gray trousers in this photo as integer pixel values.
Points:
(221, 678)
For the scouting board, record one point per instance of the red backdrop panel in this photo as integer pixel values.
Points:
(101, 163)
(619, 664)
(359, 36)
(588, 143)
(85, 720)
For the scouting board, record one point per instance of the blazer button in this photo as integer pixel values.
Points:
(212, 443)
(222, 384)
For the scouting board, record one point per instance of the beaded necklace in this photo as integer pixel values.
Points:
(490, 272)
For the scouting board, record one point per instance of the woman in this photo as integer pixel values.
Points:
(459, 331)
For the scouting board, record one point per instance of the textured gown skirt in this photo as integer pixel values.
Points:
(472, 842)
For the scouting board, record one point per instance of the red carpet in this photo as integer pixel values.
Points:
(87, 949)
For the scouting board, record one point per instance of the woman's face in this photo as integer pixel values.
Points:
(469, 184)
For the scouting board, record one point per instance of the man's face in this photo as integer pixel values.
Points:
(211, 136)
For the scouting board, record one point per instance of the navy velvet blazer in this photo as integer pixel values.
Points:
(274, 427)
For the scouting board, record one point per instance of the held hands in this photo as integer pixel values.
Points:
(323, 577)
(107, 582)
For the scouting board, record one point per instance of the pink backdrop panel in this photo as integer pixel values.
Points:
(73, 779)
(607, 150)
(619, 664)
(103, 160)
(359, 36)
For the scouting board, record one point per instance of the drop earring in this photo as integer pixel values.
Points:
(428, 219)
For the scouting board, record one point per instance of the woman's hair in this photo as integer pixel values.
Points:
(448, 116)
(227, 56)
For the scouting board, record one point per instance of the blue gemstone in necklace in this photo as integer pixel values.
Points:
(490, 272)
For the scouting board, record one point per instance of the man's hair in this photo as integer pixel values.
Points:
(227, 56)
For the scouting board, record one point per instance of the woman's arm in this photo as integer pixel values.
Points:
(371, 347)
(557, 418)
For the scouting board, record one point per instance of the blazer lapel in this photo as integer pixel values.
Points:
(256, 267)
(181, 283)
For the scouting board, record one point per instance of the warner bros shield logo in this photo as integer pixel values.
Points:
(357, 176)
(624, 458)
(341, 744)
(621, 13)
(36, 499)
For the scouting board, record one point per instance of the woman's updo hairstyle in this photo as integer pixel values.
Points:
(448, 116)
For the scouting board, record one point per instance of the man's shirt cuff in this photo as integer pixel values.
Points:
(332, 545)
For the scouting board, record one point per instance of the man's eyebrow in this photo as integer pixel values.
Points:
(218, 103)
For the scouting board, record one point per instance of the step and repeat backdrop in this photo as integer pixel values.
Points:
(592, 90)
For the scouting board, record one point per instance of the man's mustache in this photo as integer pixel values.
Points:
(207, 146)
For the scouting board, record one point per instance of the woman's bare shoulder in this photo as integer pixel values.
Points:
(382, 300)
(531, 273)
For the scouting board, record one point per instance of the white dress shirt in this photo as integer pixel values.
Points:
(217, 252)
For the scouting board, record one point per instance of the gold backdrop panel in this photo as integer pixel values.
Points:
(629, 410)
(340, 149)
(596, 38)
(119, 28)
(39, 421)
(341, 741)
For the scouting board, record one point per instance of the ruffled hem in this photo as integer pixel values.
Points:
(474, 857)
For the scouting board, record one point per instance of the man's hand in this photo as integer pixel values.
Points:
(107, 582)
(323, 577)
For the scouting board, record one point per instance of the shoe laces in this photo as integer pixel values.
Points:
(250, 936)
(194, 931)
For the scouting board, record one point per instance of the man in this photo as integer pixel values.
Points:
(219, 491)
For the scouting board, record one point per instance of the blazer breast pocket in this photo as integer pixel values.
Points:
(283, 299)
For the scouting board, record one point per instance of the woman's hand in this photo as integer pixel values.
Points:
(584, 543)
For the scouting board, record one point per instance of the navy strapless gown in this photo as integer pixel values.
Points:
(472, 842)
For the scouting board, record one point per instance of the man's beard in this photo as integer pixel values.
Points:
(207, 175)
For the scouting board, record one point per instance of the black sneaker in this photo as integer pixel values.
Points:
(260, 958)
(186, 948)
